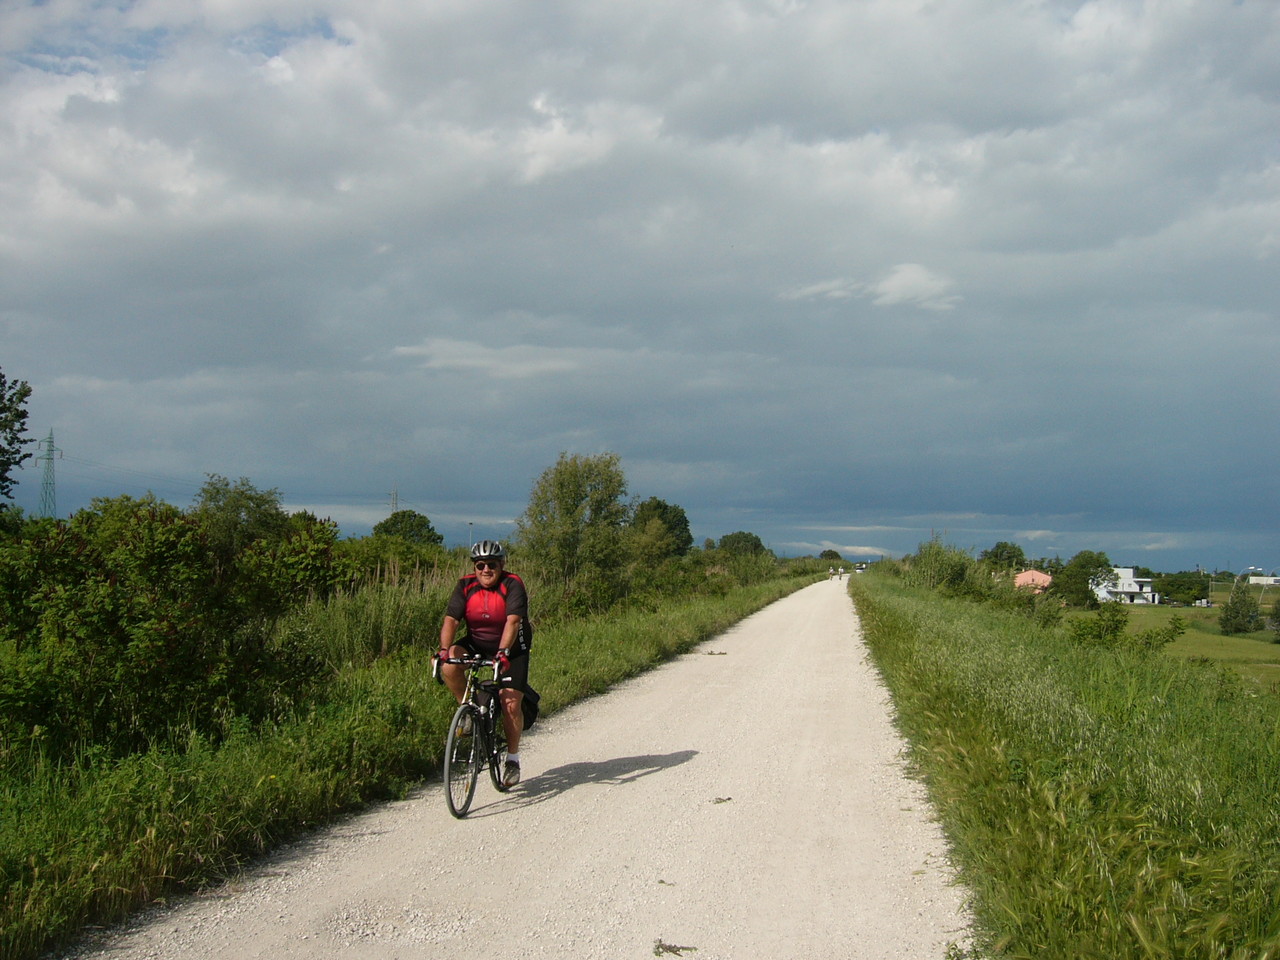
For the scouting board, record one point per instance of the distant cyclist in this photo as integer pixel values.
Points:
(495, 608)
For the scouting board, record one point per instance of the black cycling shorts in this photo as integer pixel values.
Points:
(517, 676)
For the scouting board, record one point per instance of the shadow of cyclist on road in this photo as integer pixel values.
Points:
(621, 770)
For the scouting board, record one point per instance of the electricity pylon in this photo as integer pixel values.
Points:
(48, 491)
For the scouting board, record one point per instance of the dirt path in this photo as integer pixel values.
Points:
(717, 803)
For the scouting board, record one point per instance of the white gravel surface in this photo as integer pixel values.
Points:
(737, 803)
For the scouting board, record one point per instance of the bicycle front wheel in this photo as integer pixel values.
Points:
(498, 753)
(462, 759)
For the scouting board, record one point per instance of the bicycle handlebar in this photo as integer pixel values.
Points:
(470, 663)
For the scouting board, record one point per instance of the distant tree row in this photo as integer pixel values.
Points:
(577, 520)
(1074, 582)
(135, 614)
(135, 618)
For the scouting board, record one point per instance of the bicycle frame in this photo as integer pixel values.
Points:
(475, 685)
(484, 744)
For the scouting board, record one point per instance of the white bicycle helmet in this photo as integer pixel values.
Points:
(488, 550)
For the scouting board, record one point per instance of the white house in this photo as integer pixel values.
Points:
(1126, 588)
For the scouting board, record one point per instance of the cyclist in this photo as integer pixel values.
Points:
(494, 605)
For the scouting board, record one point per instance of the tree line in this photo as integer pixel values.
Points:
(1186, 586)
(1075, 582)
(135, 620)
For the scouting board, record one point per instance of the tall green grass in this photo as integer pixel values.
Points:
(92, 839)
(354, 628)
(1100, 802)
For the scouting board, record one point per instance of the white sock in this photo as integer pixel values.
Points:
(513, 758)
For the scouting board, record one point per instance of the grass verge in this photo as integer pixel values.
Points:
(88, 842)
(1099, 803)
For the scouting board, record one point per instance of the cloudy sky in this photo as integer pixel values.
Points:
(842, 273)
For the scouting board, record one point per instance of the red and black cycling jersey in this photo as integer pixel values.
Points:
(485, 610)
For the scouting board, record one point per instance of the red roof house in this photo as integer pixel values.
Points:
(1033, 580)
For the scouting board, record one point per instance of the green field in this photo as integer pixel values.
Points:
(1256, 656)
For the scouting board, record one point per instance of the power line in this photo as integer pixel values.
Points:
(194, 485)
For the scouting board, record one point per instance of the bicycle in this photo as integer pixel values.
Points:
(476, 736)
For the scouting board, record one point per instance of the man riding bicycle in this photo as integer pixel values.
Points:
(495, 608)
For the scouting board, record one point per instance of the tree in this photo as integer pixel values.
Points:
(1241, 613)
(574, 524)
(411, 526)
(833, 555)
(235, 515)
(1050, 565)
(672, 517)
(1186, 587)
(1076, 581)
(1005, 556)
(13, 424)
(741, 543)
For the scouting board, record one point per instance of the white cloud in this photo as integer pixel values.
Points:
(1037, 535)
(837, 289)
(558, 143)
(913, 284)
(906, 283)
(846, 550)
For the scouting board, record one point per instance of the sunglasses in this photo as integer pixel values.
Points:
(487, 565)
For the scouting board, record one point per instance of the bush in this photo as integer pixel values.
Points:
(937, 566)
(1240, 614)
(124, 627)
(1107, 628)
(393, 560)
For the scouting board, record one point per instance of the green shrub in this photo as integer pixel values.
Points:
(936, 566)
(1108, 628)
(1241, 613)
(123, 626)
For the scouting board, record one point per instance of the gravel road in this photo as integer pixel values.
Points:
(718, 808)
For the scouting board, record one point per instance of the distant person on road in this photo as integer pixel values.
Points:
(494, 606)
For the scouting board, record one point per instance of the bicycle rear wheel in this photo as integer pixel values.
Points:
(462, 759)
